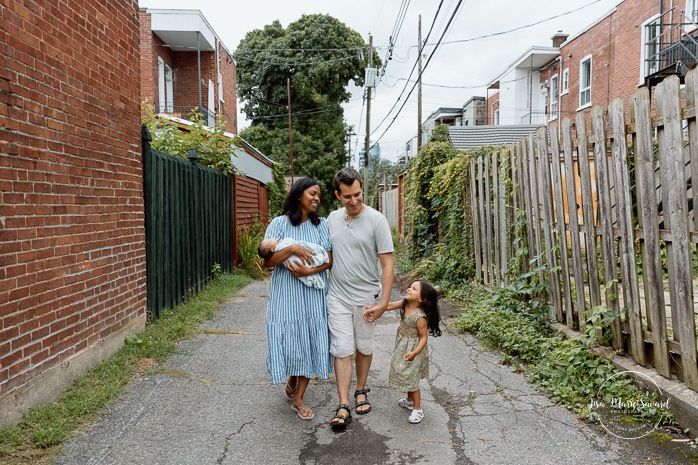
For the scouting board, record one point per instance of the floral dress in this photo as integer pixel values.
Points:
(404, 376)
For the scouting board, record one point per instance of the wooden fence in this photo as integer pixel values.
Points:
(631, 244)
(188, 226)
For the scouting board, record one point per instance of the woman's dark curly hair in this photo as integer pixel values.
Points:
(292, 202)
(429, 305)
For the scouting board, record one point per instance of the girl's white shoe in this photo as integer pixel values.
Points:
(416, 416)
(404, 403)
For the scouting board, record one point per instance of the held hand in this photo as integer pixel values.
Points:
(373, 312)
(304, 254)
(296, 268)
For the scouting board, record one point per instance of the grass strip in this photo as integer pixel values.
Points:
(36, 438)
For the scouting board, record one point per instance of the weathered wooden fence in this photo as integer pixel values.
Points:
(609, 220)
(188, 226)
(390, 199)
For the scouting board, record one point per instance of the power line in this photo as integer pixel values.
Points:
(426, 65)
(412, 71)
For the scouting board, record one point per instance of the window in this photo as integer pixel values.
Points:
(554, 89)
(649, 53)
(565, 81)
(496, 116)
(165, 90)
(585, 82)
(691, 12)
(169, 104)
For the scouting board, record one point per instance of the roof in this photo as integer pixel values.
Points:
(470, 137)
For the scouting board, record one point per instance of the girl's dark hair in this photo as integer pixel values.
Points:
(292, 204)
(429, 305)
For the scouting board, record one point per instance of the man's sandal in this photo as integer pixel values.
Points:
(346, 419)
(363, 402)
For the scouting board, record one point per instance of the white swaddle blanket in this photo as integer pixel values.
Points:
(319, 257)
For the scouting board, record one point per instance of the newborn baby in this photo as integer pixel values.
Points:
(269, 246)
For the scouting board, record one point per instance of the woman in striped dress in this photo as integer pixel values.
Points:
(298, 345)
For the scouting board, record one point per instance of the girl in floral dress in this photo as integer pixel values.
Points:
(419, 315)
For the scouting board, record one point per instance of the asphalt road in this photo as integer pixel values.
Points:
(213, 403)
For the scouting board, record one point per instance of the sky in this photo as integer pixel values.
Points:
(482, 40)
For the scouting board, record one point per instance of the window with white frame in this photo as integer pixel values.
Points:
(554, 94)
(649, 50)
(691, 12)
(585, 81)
(496, 116)
(169, 88)
(565, 81)
(165, 89)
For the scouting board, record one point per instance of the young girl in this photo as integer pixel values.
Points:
(419, 312)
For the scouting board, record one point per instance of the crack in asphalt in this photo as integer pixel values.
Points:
(229, 440)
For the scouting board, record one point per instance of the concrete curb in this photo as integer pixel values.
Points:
(683, 402)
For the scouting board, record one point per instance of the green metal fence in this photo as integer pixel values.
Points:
(189, 220)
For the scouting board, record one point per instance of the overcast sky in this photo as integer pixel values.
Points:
(462, 67)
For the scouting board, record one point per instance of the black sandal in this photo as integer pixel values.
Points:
(363, 402)
(346, 419)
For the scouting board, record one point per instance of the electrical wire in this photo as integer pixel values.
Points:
(450, 21)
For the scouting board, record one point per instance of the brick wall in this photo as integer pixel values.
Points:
(72, 244)
(614, 43)
(185, 74)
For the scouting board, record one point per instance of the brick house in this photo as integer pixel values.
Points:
(72, 240)
(637, 43)
(176, 47)
(184, 65)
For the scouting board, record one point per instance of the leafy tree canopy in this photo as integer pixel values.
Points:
(320, 55)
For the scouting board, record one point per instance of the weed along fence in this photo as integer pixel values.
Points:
(188, 226)
(629, 252)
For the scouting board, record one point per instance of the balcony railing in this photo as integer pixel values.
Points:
(671, 47)
(186, 112)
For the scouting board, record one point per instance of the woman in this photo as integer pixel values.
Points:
(297, 334)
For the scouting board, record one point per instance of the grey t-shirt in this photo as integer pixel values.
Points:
(355, 276)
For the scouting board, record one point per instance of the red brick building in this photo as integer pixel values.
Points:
(637, 43)
(178, 46)
(72, 243)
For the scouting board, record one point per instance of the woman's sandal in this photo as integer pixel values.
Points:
(363, 402)
(346, 419)
(290, 392)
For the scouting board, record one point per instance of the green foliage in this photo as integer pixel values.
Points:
(421, 221)
(276, 191)
(212, 146)
(249, 238)
(320, 55)
(569, 370)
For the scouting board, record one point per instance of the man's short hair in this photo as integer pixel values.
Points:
(346, 176)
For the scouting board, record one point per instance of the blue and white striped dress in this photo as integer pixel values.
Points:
(298, 341)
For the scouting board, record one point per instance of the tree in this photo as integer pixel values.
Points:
(320, 55)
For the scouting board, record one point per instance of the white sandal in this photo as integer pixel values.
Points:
(416, 416)
(404, 403)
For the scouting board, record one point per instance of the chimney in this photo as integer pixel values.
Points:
(559, 38)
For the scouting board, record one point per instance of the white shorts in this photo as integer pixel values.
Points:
(348, 328)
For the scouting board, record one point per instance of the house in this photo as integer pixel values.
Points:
(72, 236)
(185, 66)
(450, 116)
(637, 43)
(474, 112)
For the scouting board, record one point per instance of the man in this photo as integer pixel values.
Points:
(362, 274)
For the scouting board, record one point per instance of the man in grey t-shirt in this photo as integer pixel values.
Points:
(362, 274)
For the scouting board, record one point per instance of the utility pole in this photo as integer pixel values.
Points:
(419, 86)
(290, 132)
(367, 142)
